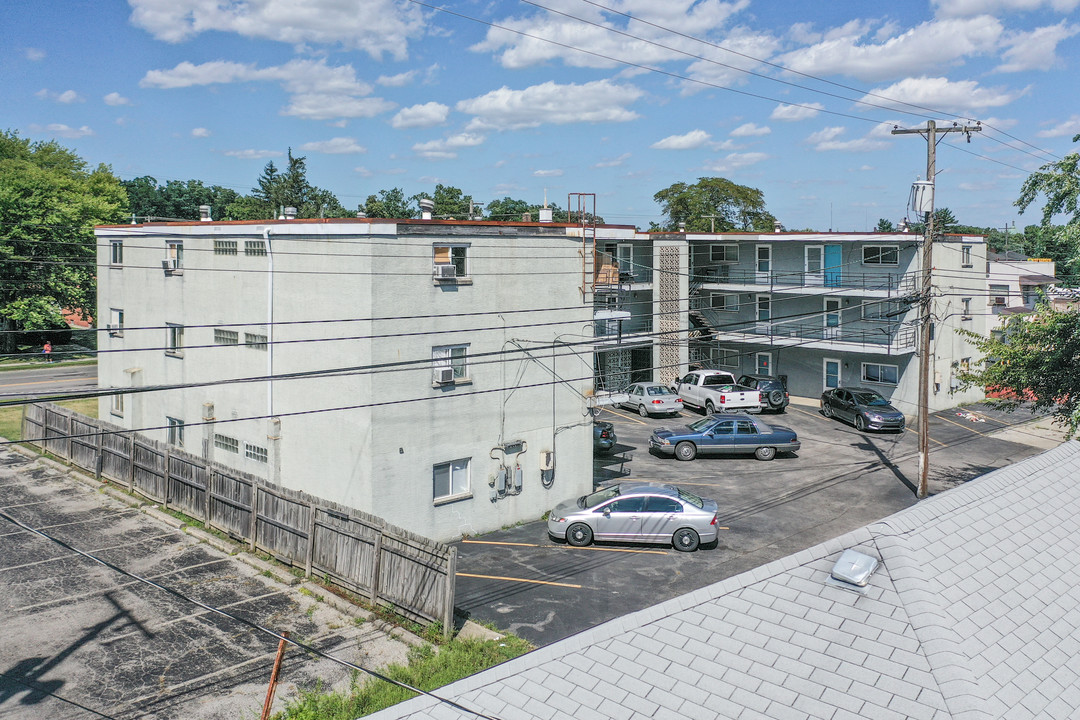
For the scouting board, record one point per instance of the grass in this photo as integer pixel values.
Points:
(11, 416)
(426, 669)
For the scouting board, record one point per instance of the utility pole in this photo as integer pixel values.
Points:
(930, 132)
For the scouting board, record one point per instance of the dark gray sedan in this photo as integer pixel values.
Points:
(725, 434)
(636, 512)
(864, 408)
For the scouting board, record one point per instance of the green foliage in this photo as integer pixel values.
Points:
(450, 202)
(49, 204)
(885, 226)
(278, 189)
(735, 207)
(176, 199)
(1059, 183)
(390, 204)
(512, 210)
(426, 669)
(1036, 358)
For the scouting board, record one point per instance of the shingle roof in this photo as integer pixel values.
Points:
(974, 613)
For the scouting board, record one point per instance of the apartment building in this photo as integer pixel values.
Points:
(434, 373)
(1014, 281)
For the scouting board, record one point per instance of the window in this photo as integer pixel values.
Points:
(660, 504)
(454, 357)
(255, 341)
(965, 305)
(254, 452)
(224, 247)
(745, 427)
(728, 302)
(881, 255)
(882, 374)
(116, 322)
(226, 443)
(965, 364)
(999, 294)
(117, 407)
(174, 340)
(226, 337)
(174, 255)
(117, 252)
(254, 247)
(452, 255)
(764, 363)
(724, 253)
(451, 480)
(884, 310)
(727, 358)
(175, 431)
(965, 255)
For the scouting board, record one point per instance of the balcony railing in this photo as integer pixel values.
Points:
(612, 273)
(896, 335)
(828, 278)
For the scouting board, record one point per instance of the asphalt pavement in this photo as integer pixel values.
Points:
(41, 379)
(841, 479)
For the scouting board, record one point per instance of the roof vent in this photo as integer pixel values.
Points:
(204, 213)
(290, 213)
(777, 226)
(361, 214)
(426, 206)
(546, 214)
(682, 227)
(852, 571)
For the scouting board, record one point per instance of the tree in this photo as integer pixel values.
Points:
(389, 204)
(1037, 359)
(450, 202)
(713, 203)
(277, 189)
(885, 226)
(177, 199)
(49, 204)
(1059, 183)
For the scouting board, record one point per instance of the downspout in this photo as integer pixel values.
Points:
(269, 327)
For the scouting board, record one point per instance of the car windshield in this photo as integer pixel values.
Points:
(600, 496)
(689, 497)
(702, 425)
(713, 380)
(870, 399)
(659, 390)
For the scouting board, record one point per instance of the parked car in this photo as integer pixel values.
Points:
(650, 398)
(636, 512)
(862, 407)
(725, 435)
(603, 436)
(774, 394)
(716, 390)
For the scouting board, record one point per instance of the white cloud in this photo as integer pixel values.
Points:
(377, 27)
(1062, 129)
(1035, 50)
(613, 162)
(61, 130)
(919, 50)
(962, 8)
(362, 171)
(734, 161)
(961, 97)
(318, 91)
(750, 130)
(421, 116)
(794, 113)
(34, 54)
(690, 141)
(825, 135)
(551, 103)
(335, 146)
(826, 140)
(727, 69)
(547, 173)
(399, 80)
(200, 132)
(115, 98)
(445, 149)
(67, 97)
(253, 154)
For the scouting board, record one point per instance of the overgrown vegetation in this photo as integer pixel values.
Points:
(427, 669)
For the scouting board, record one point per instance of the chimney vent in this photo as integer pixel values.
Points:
(546, 214)
(290, 213)
(526, 217)
(204, 213)
(426, 206)
(777, 226)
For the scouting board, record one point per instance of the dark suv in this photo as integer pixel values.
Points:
(774, 395)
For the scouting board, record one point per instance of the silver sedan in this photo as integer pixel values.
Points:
(650, 398)
(636, 512)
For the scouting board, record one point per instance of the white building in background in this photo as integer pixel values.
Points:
(414, 359)
(1013, 282)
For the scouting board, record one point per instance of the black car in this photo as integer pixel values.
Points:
(863, 407)
(774, 394)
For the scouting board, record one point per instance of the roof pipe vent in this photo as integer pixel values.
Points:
(852, 571)
(361, 214)
(682, 227)
(426, 206)
(289, 213)
(777, 226)
(546, 214)
(204, 213)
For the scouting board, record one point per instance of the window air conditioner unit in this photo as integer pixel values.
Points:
(445, 271)
(444, 376)
(170, 265)
(999, 299)
(115, 330)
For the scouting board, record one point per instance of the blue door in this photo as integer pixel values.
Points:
(834, 259)
(720, 440)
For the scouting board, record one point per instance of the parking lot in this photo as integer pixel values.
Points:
(840, 480)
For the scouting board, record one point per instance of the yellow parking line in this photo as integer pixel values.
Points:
(569, 547)
(961, 425)
(626, 416)
(510, 579)
(938, 441)
(497, 542)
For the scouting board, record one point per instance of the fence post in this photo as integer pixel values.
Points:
(310, 539)
(100, 443)
(131, 464)
(254, 514)
(376, 565)
(451, 577)
(206, 499)
(166, 475)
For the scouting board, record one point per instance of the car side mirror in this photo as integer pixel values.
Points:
(607, 512)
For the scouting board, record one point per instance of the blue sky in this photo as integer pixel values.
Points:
(794, 98)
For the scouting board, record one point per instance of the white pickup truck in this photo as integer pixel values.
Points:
(716, 391)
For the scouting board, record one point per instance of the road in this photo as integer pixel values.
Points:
(841, 480)
(36, 382)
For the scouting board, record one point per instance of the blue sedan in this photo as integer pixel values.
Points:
(725, 435)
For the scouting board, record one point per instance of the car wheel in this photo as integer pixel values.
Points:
(860, 423)
(709, 407)
(776, 397)
(826, 409)
(579, 534)
(642, 411)
(685, 540)
(765, 453)
(685, 451)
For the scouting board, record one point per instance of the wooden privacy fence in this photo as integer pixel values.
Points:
(360, 552)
